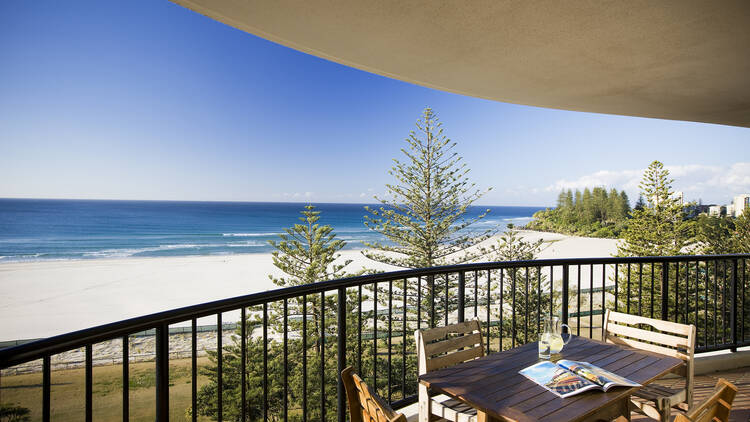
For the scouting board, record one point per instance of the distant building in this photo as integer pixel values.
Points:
(740, 203)
(679, 196)
(730, 209)
(714, 210)
(693, 210)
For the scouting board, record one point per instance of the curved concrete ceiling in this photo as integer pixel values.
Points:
(669, 59)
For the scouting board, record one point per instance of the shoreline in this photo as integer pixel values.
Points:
(45, 298)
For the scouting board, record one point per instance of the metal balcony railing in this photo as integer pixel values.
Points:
(302, 337)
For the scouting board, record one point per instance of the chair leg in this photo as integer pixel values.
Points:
(665, 409)
(425, 404)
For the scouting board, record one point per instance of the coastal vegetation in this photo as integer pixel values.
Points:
(594, 212)
(307, 253)
(528, 301)
(722, 235)
(424, 218)
(661, 227)
(424, 211)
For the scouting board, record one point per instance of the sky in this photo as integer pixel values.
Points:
(149, 100)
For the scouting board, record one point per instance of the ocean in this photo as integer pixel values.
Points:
(51, 229)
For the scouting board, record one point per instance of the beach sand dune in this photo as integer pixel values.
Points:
(42, 299)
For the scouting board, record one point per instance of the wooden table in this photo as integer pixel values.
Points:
(493, 386)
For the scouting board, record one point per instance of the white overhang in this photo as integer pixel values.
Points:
(670, 59)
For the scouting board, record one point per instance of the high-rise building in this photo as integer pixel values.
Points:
(741, 202)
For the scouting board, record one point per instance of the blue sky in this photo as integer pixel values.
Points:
(148, 100)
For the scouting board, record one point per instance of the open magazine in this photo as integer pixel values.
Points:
(567, 378)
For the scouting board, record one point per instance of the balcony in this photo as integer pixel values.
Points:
(281, 357)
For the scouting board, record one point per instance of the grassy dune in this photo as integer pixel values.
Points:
(68, 388)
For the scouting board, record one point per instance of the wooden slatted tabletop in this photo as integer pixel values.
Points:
(494, 387)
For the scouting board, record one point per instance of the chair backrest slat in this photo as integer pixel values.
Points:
(661, 325)
(365, 405)
(714, 408)
(652, 336)
(647, 346)
(447, 346)
(441, 332)
(454, 343)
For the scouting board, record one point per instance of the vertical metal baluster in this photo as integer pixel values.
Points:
(433, 297)
(716, 301)
(359, 329)
(219, 369)
(652, 290)
(194, 369)
(500, 327)
(551, 285)
(89, 383)
(447, 289)
(724, 303)
(733, 314)
(304, 352)
(46, 387)
(687, 291)
(526, 310)
(513, 321)
(604, 296)
(476, 294)
(565, 293)
(640, 288)
(705, 308)
(375, 337)
(489, 316)
(403, 345)
(322, 355)
(341, 349)
(743, 301)
(627, 295)
(578, 306)
(591, 301)
(285, 346)
(265, 361)
(125, 378)
(419, 303)
(696, 294)
(162, 372)
(539, 300)
(390, 336)
(665, 290)
(676, 291)
(243, 375)
(617, 282)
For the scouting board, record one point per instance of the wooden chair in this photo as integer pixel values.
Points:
(671, 339)
(365, 405)
(714, 408)
(440, 348)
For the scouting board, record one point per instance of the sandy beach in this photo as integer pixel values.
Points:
(42, 299)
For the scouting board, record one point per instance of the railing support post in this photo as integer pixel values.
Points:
(341, 394)
(46, 387)
(665, 290)
(162, 373)
(733, 316)
(565, 293)
(461, 296)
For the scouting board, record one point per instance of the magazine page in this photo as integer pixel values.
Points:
(557, 379)
(596, 374)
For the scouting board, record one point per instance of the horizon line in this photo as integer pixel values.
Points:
(234, 201)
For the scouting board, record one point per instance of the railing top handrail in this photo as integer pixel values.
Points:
(73, 340)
